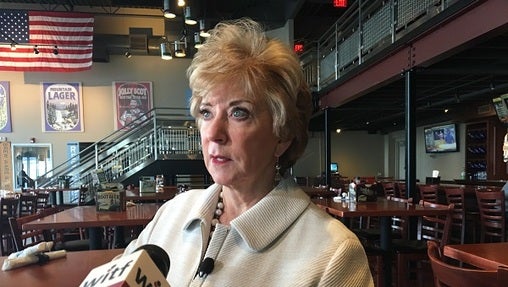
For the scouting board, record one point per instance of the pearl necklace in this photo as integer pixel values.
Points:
(219, 210)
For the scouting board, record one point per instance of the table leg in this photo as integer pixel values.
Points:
(95, 237)
(386, 246)
(119, 237)
(60, 197)
(52, 198)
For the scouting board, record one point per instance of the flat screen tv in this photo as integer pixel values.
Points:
(441, 138)
(334, 167)
(501, 106)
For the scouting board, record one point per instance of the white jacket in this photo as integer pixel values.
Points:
(284, 240)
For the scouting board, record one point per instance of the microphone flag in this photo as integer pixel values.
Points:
(135, 269)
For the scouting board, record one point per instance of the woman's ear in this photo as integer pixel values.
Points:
(282, 147)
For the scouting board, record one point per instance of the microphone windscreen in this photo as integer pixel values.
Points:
(158, 255)
(206, 266)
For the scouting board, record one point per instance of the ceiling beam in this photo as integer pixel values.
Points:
(442, 41)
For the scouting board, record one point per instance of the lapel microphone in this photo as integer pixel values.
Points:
(206, 267)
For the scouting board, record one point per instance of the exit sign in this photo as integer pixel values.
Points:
(339, 3)
(298, 48)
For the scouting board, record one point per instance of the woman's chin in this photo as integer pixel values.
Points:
(222, 180)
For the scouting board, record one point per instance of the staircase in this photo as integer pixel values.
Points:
(166, 142)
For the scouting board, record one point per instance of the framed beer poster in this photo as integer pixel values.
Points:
(5, 108)
(132, 101)
(62, 107)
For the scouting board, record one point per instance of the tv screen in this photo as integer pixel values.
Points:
(334, 167)
(442, 138)
(501, 107)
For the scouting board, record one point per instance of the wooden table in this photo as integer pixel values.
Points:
(88, 217)
(481, 255)
(68, 271)
(384, 209)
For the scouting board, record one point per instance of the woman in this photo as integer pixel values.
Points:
(252, 106)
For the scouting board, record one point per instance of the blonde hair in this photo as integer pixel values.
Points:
(239, 53)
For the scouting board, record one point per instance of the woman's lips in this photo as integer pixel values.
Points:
(217, 159)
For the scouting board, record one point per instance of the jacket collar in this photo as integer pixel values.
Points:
(259, 226)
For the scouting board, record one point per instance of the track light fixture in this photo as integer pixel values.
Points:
(202, 29)
(167, 10)
(181, 3)
(197, 40)
(55, 50)
(180, 49)
(189, 19)
(128, 54)
(36, 50)
(166, 51)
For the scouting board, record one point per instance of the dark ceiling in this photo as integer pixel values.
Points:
(312, 17)
(463, 81)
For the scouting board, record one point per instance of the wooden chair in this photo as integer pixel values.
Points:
(411, 253)
(491, 205)
(428, 192)
(9, 207)
(372, 232)
(27, 204)
(27, 238)
(401, 189)
(455, 195)
(447, 275)
(42, 200)
(24, 239)
(370, 238)
(388, 188)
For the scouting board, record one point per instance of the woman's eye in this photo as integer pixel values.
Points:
(205, 114)
(240, 114)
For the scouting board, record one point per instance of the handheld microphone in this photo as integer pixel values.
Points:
(148, 265)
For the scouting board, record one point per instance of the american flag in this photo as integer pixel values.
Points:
(63, 41)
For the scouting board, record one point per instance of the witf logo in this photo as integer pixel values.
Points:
(142, 279)
(136, 269)
(111, 274)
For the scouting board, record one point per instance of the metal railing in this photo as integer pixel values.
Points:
(165, 133)
(363, 32)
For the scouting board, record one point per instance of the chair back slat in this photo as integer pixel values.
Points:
(446, 275)
(428, 192)
(455, 195)
(388, 188)
(9, 207)
(42, 200)
(491, 205)
(436, 227)
(400, 224)
(27, 204)
(401, 189)
(27, 238)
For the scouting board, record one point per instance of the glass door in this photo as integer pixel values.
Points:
(30, 162)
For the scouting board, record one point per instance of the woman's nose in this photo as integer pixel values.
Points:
(215, 130)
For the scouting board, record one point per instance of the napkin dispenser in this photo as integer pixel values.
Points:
(110, 200)
(147, 184)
